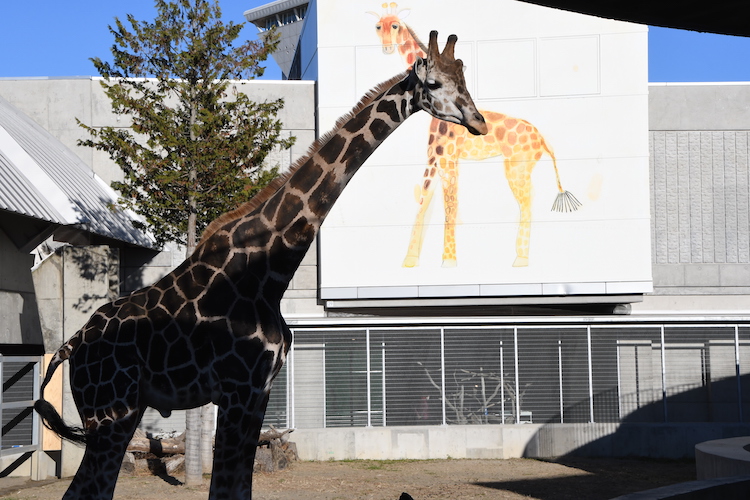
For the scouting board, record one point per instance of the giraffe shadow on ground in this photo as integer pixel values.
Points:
(159, 469)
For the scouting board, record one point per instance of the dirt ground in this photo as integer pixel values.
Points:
(579, 479)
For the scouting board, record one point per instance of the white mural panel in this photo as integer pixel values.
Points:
(553, 201)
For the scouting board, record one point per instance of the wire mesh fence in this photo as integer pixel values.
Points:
(389, 376)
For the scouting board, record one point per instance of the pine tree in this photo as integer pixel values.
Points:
(196, 147)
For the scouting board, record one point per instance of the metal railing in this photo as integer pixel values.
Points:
(568, 373)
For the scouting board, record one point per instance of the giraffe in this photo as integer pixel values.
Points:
(519, 143)
(211, 330)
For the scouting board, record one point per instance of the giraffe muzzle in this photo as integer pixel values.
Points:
(476, 125)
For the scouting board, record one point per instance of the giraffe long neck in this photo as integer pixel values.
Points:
(281, 228)
(409, 47)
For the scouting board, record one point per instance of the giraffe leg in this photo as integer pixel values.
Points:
(423, 194)
(236, 444)
(449, 176)
(518, 174)
(105, 449)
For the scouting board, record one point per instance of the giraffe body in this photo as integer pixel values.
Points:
(517, 141)
(520, 145)
(211, 330)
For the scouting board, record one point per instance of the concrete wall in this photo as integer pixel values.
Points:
(669, 441)
(19, 319)
(700, 198)
(56, 104)
(71, 285)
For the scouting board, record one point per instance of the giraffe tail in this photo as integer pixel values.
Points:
(565, 200)
(50, 417)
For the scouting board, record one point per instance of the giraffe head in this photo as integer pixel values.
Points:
(389, 27)
(442, 89)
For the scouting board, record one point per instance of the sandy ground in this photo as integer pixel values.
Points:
(578, 479)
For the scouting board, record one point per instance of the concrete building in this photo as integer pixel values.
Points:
(627, 334)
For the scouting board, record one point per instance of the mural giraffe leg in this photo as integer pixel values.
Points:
(423, 194)
(449, 178)
(518, 174)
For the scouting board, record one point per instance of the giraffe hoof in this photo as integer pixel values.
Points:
(410, 261)
(521, 262)
(449, 263)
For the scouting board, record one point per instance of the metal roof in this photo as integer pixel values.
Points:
(41, 178)
(272, 8)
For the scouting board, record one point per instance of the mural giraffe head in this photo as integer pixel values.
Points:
(395, 35)
(212, 330)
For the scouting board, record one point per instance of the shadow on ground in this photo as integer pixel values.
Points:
(600, 479)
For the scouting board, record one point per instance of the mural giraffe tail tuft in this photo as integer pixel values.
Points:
(566, 202)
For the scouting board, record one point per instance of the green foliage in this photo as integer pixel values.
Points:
(196, 146)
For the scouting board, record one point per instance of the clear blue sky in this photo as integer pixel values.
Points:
(56, 38)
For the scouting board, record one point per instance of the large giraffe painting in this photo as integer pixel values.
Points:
(517, 141)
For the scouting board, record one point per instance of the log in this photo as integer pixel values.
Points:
(169, 446)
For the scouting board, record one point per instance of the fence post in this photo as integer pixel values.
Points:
(518, 385)
(591, 376)
(664, 375)
(290, 387)
(369, 394)
(560, 379)
(442, 373)
(738, 370)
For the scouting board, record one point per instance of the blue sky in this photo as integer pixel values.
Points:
(54, 38)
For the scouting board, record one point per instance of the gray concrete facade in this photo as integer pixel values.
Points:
(700, 197)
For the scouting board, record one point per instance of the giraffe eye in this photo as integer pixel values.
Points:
(433, 85)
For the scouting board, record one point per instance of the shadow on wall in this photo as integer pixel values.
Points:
(660, 429)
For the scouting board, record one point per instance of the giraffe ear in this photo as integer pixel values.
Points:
(420, 69)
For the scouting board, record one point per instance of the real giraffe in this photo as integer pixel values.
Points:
(519, 143)
(211, 330)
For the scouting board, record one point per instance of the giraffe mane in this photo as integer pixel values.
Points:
(276, 184)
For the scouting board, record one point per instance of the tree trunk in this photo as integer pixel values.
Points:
(207, 437)
(193, 466)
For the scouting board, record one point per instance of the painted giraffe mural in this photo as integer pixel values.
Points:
(519, 143)
(211, 330)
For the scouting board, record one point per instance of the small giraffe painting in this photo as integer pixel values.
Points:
(211, 330)
(519, 143)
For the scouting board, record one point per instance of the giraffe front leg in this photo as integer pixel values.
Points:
(449, 176)
(423, 195)
(238, 428)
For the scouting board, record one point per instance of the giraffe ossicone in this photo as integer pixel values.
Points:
(211, 330)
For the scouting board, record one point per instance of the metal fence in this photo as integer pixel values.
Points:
(20, 428)
(345, 377)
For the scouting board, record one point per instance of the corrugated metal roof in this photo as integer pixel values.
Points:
(41, 178)
(272, 8)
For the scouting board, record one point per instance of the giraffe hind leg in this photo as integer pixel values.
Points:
(105, 448)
